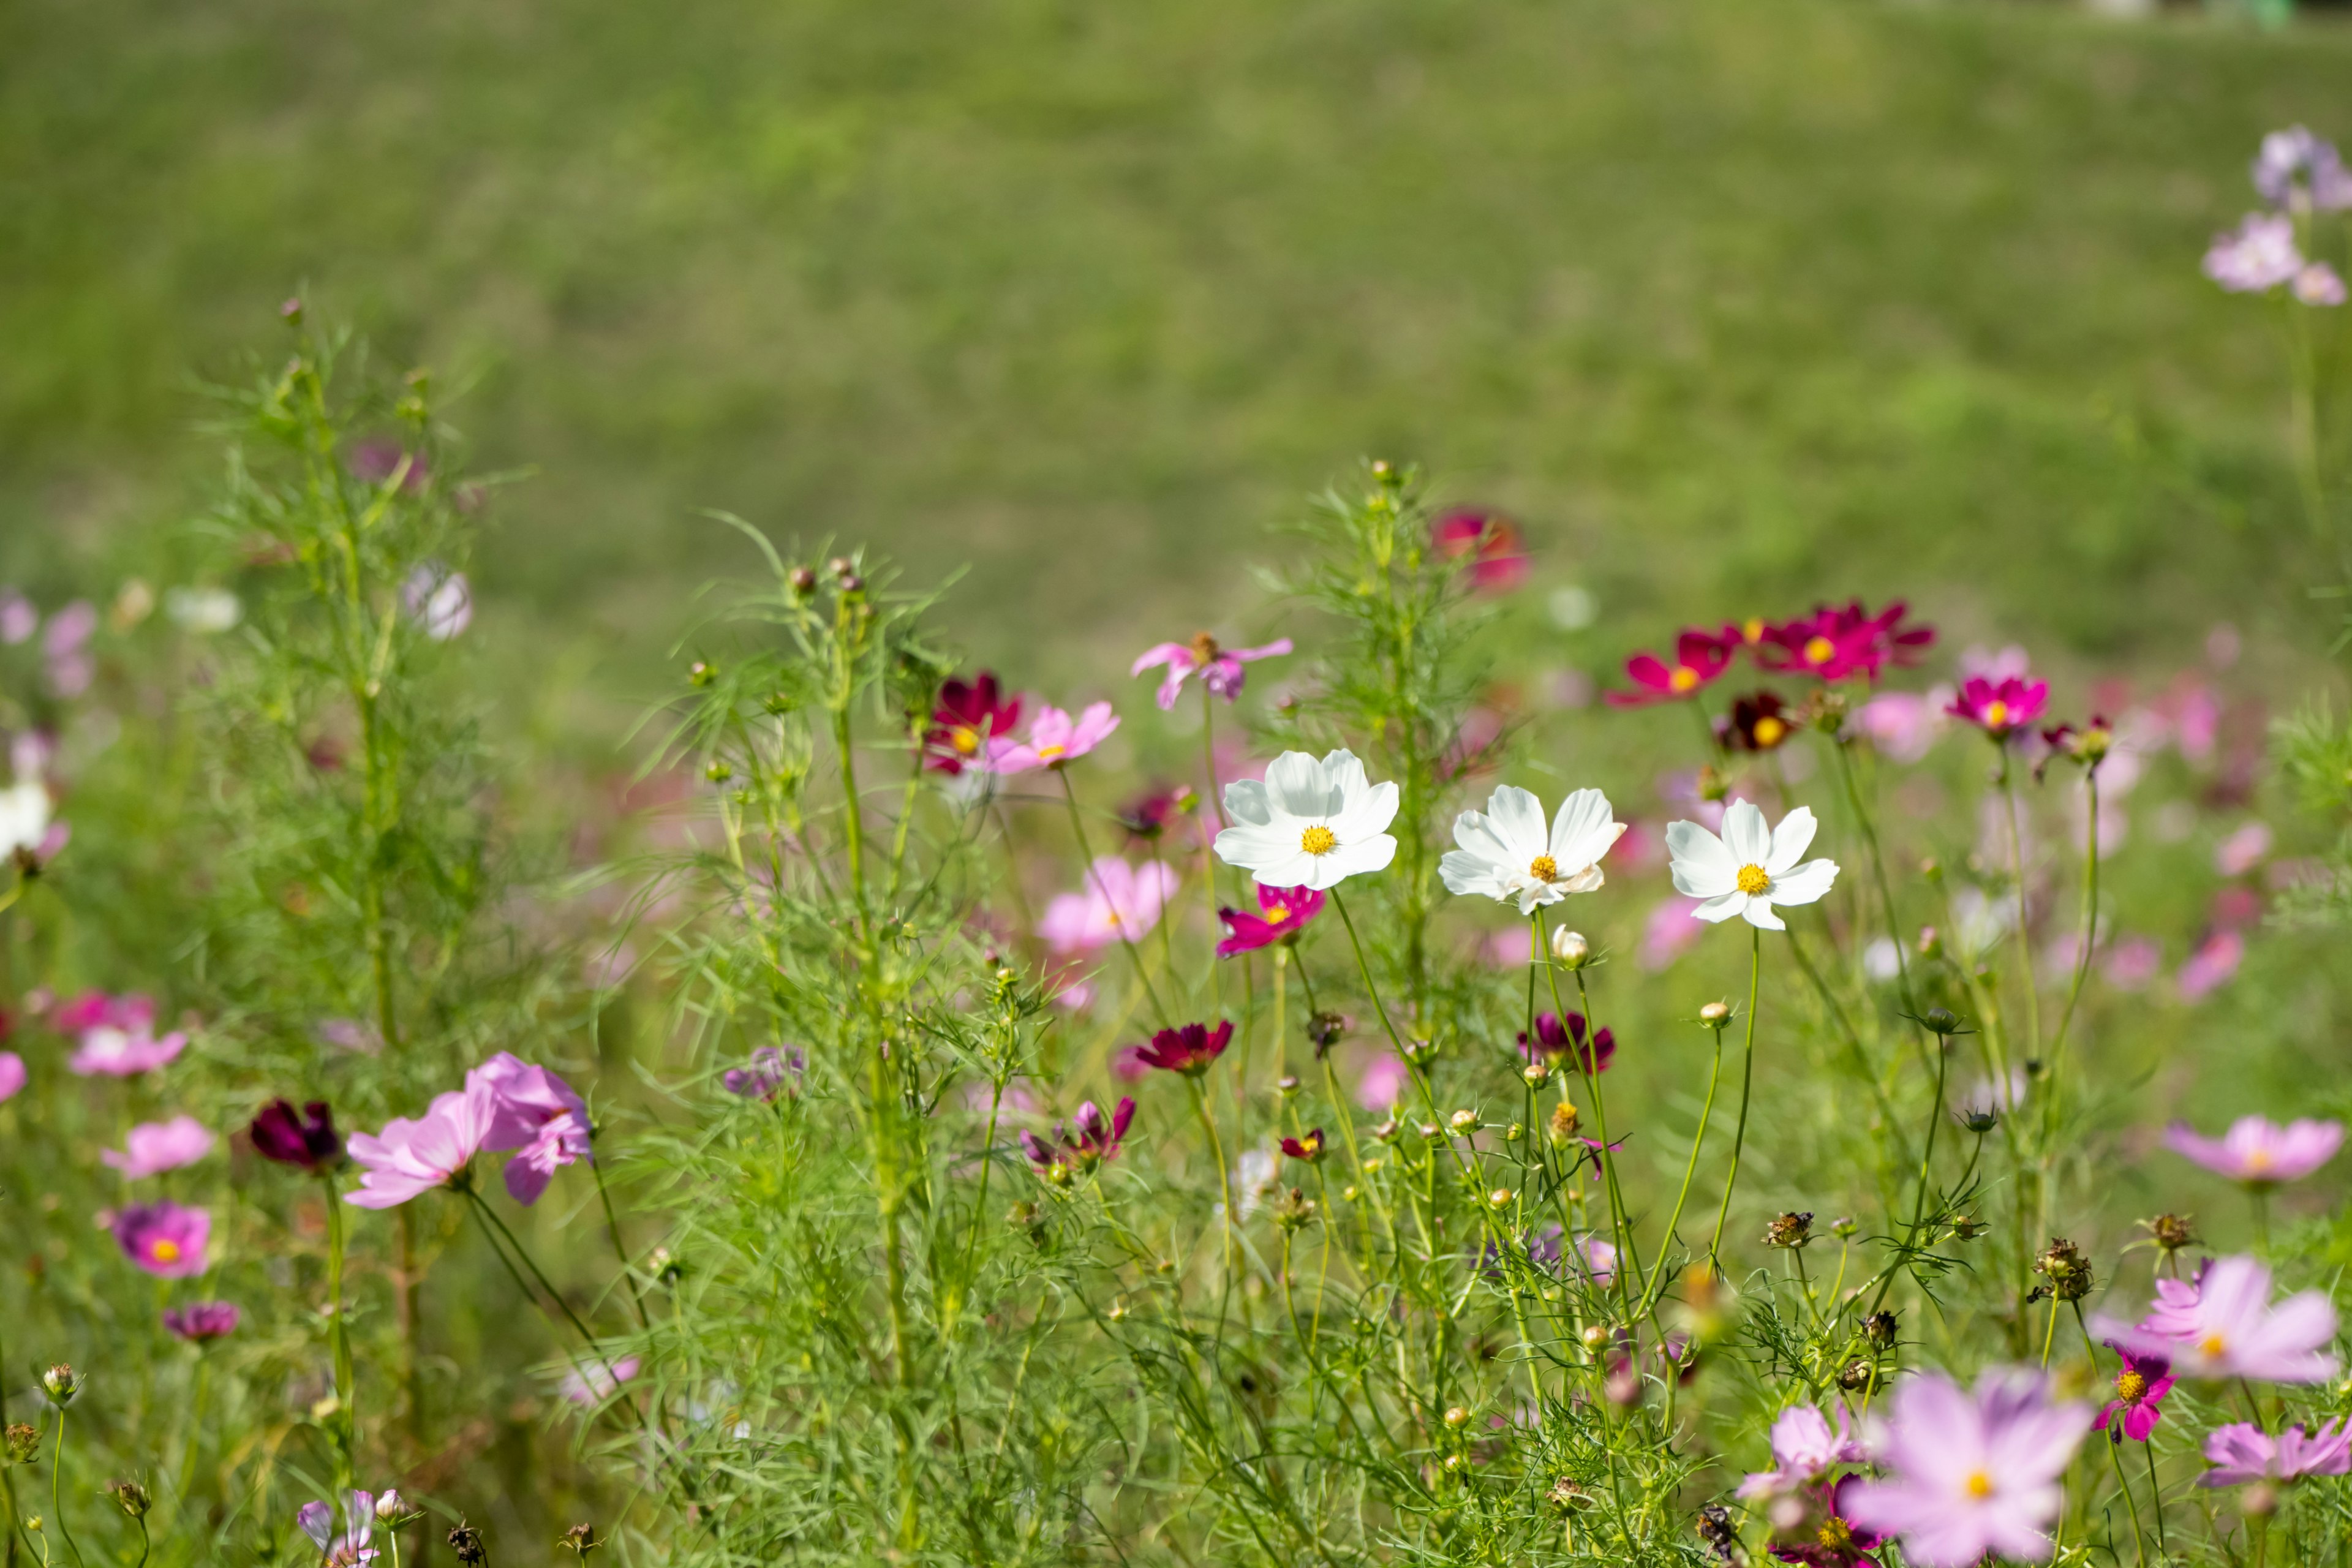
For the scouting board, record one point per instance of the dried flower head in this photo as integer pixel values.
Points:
(1564, 1122)
(581, 1540)
(1293, 1210)
(1879, 1329)
(1789, 1230)
(2062, 1263)
(23, 1443)
(2171, 1232)
(1325, 1030)
(1857, 1375)
(131, 1497)
(467, 1543)
(1715, 1528)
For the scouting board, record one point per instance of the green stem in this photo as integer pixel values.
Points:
(620, 1252)
(1747, 1077)
(1078, 829)
(347, 1415)
(1690, 1169)
(57, 1469)
(1365, 969)
(1926, 1158)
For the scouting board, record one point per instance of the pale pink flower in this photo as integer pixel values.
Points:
(65, 648)
(2318, 284)
(1669, 932)
(537, 1114)
(1116, 900)
(2256, 257)
(441, 602)
(2212, 965)
(1803, 1449)
(2242, 850)
(19, 620)
(153, 1147)
(414, 1156)
(1972, 1473)
(349, 1547)
(108, 1051)
(12, 1075)
(2241, 1452)
(1903, 725)
(2259, 1151)
(2133, 962)
(1219, 668)
(1055, 739)
(598, 1381)
(1381, 1083)
(2224, 1326)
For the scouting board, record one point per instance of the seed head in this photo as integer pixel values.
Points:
(2068, 1272)
(1293, 1210)
(467, 1543)
(131, 1497)
(1564, 1122)
(1857, 1374)
(1879, 1329)
(24, 1443)
(2171, 1232)
(1791, 1230)
(1325, 1030)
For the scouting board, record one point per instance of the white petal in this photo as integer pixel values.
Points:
(1585, 882)
(1245, 801)
(1721, 908)
(1348, 860)
(1467, 875)
(1804, 884)
(1368, 814)
(1745, 835)
(1759, 914)
(1790, 839)
(1476, 835)
(1534, 893)
(1516, 817)
(1702, 866)
(1297, 871)
(1254, 846)
(1295, 783)
(1581, 831)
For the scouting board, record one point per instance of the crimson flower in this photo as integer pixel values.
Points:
(1824, 1537)
(1498, 556)
(1091, 1138)
(1555, 1040)
(967, 716)
(2140, 1388)
(1310, 1148)
(1700, 657)
(304, 1138)
(1282, 914)
(1152, 815)
(1837, 642)
(1191, 1049)
(1758, 722)
(2002, 708)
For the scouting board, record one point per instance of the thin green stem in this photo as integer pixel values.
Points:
(1690, 1169)
(1078, 829)
(1926, 1160)
(1746, 1078)
(620, 1251)
(339, 1330)
(57, 1469)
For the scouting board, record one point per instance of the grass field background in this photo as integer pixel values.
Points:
(1729, 305)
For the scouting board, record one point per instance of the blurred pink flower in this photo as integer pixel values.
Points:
(1116, 900)
(124, 1050)
(65, 648)
(1903, 725)
(2258, 1151)
(598, 1381)
(2300, 171)
(1219, 668)
(1669, 930)
(2234, 908)
(441, 602)
(2243, 1452)
(414, 1156)
(1972, 1474)
(153, 1147)
(2212, 965)
(2257, 256)
(2133, 962)
(1055, 739)
(537, 1115)
(1803, 1449)
(1513, 947)
(12, 1075)
(165, 1239)
(2242, 850)
(18, 619)
(1382, 1082)
(1500, 560)
(2223, 1326)
(201, 1322)
(2318, 284)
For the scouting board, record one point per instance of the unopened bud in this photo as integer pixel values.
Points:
(1595, 1335)
(1500, 1198)
(1463, 1121)
(1386, 1131)
(1456, 1417)
(393, 1508)
(719, 771)
(1286, 1085)
(1572, 949)
(290, 312)
(1716, 1015)
(581, 1540)
(1535, 1073)
(803, 580)
(1513, 1133)
(1843, 1228)
(1879, 1329)
(131, 1497)
(1940, 1021)
(841, 566)
(61, 1383)
(1856, 1375)
(701, 672)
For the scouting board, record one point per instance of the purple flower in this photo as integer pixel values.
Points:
(2241, 1452)
(201, 1322)
(2300, 171)
(304, 1138)
(1555, 1041)
(772, 1072)
(1118, 901)
(414, 1156)
(1972, 1473)
(318, 1522)
(2216, 958)
(538, 1114)
(2256, 257)
(1803, 1447)
(2224, 1326)
(153, 1147)
(1220, 668)
(2140, 1388)
(1092, 1139)
(2259, 1152)
(165, 1239)
(19, 620)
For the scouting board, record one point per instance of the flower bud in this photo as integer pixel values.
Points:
(1857, 1375)
(1457, 1416)
(61, 1383)
(1386, 1131)
(1978, 1118)
(22, 1442)
(803, 580)
(2258, 1502)
(1843, 1228)
(850, 583)
(1513, 1133)
(1940, 1021)
(1463, 1121)
(2068, 1272)
(581, 1540)
(393, 1508)
(1430, 1130)
(1500, 1198)
(131, 1497)
(1570, 948)
(290, 312)
(1967, 1227)
(1421, 1053)
(719, 771)
(1712, 785)
(1595, 1335)
(1325, 1030)
(840, 566)
(1535, 1073)
(701, 672)
(1879, 1329)
(1716, 1015)
(1931, 942)
(1286, 1085)
(2171, 1231)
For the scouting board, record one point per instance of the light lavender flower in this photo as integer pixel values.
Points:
(2258, 1151)
(2224, 1326)
(2241, 1452)
(2302, 171)
(1972, 1473)
(2256, 257)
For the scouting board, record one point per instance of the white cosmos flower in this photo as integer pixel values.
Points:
(24, 817)
(1748, 869)
(1506, 854)
(1310, 823)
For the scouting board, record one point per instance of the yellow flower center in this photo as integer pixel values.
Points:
(1979, 1484)
(1996, 713)
(1684, 678)
(964, 739)
(1835, 1534)
(1752, 880)
(1276, 913)
(2258, 1160)
(1318, 841)
(164, 1252)
(1544, 869)
(1047, 753)
(2131, 1386)
(1769, 731)
(1820, 650)
(2212, 1345)
(1752, 630)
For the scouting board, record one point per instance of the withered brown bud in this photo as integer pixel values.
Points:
(2068, 1272)
(1791, 1230)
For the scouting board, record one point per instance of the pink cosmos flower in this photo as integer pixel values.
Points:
(1838, 641)
(2140, 1388)
(1093, 1139)
(2318, 284)
(1116, 900)
(65, 648)
(1498, 557)
(1824, 1534)
(599, 1381)
(350, 1548)
(112, 1053)
(153, 1147)
(2241, 1452)
(2209, 968)
(1669, 933)
(1382, 1081)
(19, 617)
(2256, 257)
(2133, 962)
(167, 1240)
(1219, 668)
(2223, 1326)
(772, 1071)
(1700, 660)
(1055, 739)
(537, 1115)
(1283, 913)
(1803, 1447)
(12, 1075)
(2258, 1151)
(201, 1322)
(1903, 724)
(414, 1156)
(1599, 1258)
(1972, 1472)
(2002, 708)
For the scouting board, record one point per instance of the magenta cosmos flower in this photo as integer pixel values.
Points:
(1117, 901)
(1838, 641)
(1219, 668)
(153, 1147)
(1824, 1535)
(2256, 257)
(1282, 914)
(1192, 1049)
(12, 1075)
(167, 1240)
(2140, 1388)
(1496, 554)
(2259, 1152)
(304, 1138)
(1055, 739)
(1803, 1449)
(969, 715)
(1091, 1138)
(1555, 1041)
(1700, 659)
(2000, 708)
(540, 1117)
(1972, 1472)
(2241, 1452)
(201, 1322)
(415, 1155)
(2224, 1326)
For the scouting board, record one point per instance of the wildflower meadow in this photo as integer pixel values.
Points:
(1341, 1086)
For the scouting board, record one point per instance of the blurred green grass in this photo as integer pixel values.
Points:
(1731, 305)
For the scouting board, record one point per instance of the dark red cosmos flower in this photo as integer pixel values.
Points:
(2002, 708)
(1700, 658)
(1149, 816)
(1553, 1040)
(1310, 1148)
(1758, 722)
(1283, 913)
(968, 714)
(1837, 642)
(1191, 1049)
(304, 1138)
(1498, 557)
(1091, 1138)
(1825, 1538)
